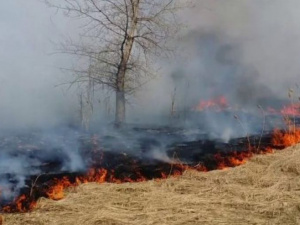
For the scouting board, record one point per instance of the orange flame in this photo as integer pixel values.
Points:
(55, 191)
(21, 204)
(232, 159)
(216, 104)
(283, 139)
(288, 110)
(291, 110)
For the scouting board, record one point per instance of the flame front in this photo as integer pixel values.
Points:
(56, 187)
(22, 204)
(56, 191)
(292, 110)
(282, 139)
(217, 104)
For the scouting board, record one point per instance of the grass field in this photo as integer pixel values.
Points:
(266, 190)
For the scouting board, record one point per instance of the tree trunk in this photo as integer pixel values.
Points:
(120, 95)
(120, 109)
(126, 52)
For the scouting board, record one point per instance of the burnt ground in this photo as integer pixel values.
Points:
(263, 191)
(129, 153)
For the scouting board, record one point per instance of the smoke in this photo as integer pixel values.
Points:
(247, 51)
(29, 73)
(259, 36)
(36, 153)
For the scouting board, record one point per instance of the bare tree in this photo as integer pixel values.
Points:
(120, 39)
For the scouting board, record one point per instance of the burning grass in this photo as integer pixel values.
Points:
(282, 139)
(54, 189)
(265, 190)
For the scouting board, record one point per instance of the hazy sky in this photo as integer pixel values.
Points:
(28, 71)
(259, 41)
(267, 31)
(264, 35)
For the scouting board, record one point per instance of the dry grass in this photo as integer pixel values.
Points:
(266, 190)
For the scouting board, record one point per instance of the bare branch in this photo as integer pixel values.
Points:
(118, 39)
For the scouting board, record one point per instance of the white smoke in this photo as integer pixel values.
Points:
(246, 50)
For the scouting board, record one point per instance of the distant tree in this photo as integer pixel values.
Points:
(120, 39)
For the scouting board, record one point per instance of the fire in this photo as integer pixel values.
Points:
(94, 175)
(55, 188)
(283, 139)
(292, 109)
(221, 103)
(217, 104)
(56, 191)
(222, 161)
(21, 204)
(232, 160)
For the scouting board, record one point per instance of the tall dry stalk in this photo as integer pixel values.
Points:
(291, 96)
(173, 99)
(245, 130)
(263, 126)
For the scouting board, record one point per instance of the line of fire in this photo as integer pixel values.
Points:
(139, 154)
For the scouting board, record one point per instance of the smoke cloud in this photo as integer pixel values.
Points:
(29, 73)
(247, 50)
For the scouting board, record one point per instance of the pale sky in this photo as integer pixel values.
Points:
(266, 33)
(28, 71)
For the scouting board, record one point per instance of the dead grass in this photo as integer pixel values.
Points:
(266, 190)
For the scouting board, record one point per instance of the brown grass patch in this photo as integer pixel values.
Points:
(266, 190)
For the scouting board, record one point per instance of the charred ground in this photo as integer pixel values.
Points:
(52, 162)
